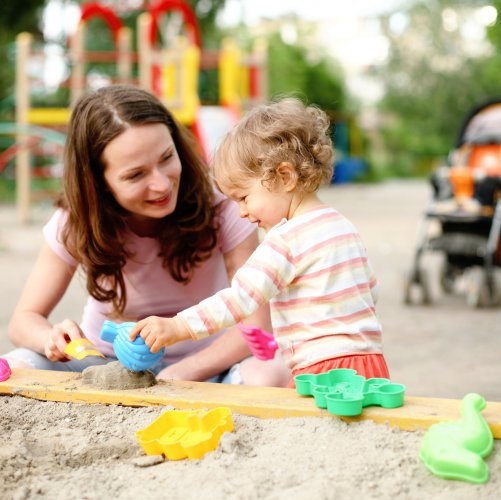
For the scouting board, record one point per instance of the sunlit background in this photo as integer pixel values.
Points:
(396, 75)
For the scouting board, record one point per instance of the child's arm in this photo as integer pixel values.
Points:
(259, 279)
(268, 270)
(160, 332)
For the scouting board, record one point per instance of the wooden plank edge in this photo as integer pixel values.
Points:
(262, 402)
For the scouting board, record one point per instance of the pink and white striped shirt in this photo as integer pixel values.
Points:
(313, 269)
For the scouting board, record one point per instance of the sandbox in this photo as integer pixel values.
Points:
(62, 439)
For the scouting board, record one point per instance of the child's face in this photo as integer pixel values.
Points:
(265, 207)
(143, 171)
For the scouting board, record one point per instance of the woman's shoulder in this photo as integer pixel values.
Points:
(219, 197)
(226, 208)
(56, 221)
(52, 232)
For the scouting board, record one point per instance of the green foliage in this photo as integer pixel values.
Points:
(8, 187)
(493, 32)
(432, 82)
(206, 12)
(14, 18)
(291, 72)
(7, 190)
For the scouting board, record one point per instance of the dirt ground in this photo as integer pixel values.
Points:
(76, 451)
(444, 350)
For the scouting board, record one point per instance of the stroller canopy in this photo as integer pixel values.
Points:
(482, 125)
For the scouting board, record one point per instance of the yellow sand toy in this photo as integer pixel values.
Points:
(185, 434)
(81, 348)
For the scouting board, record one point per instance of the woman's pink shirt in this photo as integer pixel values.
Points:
(150, 288)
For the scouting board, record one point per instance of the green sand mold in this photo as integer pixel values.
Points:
(455, 450)
(342, 392)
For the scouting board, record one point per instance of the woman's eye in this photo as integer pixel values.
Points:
(134, 176)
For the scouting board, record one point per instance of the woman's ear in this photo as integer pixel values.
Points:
(288, 175)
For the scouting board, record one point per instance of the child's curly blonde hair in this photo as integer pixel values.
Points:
(283, 131)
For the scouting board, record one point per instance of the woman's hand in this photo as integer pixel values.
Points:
(58, 338)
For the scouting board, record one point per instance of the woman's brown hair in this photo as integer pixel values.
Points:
(96, 224)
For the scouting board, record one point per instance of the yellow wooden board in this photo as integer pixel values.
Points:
(263, 402)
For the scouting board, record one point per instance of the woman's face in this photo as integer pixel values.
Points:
(143, 171)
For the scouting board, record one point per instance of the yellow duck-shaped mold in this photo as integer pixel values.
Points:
(190, 434)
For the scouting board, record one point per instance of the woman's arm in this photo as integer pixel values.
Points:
(44, 288)
(229, 348)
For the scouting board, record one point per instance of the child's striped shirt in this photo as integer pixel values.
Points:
(313, 269)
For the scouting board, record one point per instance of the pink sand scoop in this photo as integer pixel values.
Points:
(5, 371)
(261, 343)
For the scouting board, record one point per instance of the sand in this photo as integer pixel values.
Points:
(63, 450)
(114, 375)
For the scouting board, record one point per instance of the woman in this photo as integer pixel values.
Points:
(139, 215)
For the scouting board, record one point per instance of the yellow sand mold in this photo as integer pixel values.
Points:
(185, 434)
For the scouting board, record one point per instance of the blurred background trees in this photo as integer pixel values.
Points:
(437, 68)
(14, 17)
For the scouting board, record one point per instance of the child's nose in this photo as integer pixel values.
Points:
(243, 211)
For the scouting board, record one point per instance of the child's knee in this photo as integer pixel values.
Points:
(271, 373)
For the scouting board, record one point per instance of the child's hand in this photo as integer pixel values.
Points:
(159, 332)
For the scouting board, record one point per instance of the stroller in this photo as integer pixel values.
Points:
(463, 219)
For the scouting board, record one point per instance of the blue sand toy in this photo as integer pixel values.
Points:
(342, 392)
(135, 356)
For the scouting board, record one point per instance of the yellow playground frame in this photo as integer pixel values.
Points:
(172, 73)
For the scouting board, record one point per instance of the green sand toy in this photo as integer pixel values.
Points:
(342, 392)
(455, 450)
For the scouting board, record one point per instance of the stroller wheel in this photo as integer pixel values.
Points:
(477, 291)
(417, 289)
(448, 278)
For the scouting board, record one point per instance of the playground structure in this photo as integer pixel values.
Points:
(170, 70)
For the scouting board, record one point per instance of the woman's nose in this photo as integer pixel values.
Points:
(159, 180)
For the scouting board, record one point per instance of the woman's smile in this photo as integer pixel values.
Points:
(160, 202)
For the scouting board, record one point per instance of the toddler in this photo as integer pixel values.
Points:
(311, 266)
